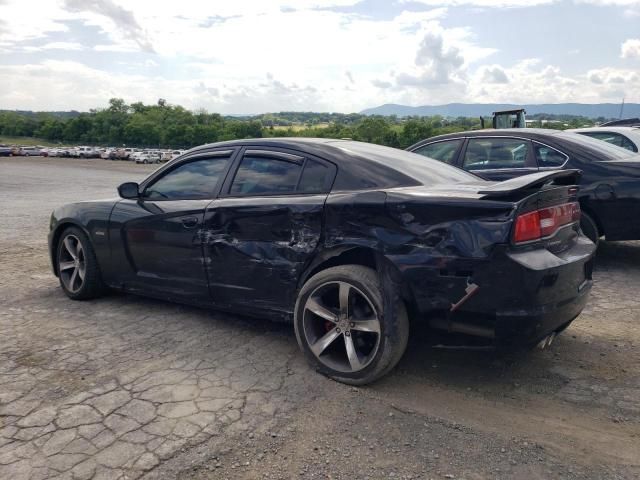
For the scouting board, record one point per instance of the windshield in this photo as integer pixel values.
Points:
(607, 150)
(424, 169)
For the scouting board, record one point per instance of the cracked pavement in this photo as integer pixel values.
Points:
(127, 387)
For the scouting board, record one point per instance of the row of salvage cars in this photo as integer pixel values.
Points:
(106, 153)
(356, 243)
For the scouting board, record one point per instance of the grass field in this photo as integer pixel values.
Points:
(297, 128)
(26, 141)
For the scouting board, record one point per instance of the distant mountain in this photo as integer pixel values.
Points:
(591, 110)
(60, 114)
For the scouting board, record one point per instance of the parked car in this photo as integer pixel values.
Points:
(123, 153)
(346, 239)
(61, 152)
(5, 151)
(625, 137)
(85, 152)
(136, 155)
(609, 187)
(109, 154)
(30, 151)
(148, 157)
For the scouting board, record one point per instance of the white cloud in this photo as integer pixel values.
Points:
(483, 3)
(62, 46)
(493, 74)
(216, 56)
(520, 3)
(631, 48)
(610, 75)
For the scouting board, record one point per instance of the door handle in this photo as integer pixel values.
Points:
(190, 222)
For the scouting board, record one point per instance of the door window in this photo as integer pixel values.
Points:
(548, 157)
(444, 151)
(266, 176)
(495, 153)
(189, 181)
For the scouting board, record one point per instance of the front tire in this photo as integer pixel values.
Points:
(78, 269)
(589, 228)
(342, 327)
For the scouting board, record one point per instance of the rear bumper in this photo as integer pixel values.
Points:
(512, 298)
(530, 325)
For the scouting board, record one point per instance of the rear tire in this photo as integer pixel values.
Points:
(342, 327)
(589, 228)
(78, 269)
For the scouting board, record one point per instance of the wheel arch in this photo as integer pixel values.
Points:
(55, 238)
(366, 256)
(584, 207)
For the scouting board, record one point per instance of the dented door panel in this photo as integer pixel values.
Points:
(255, 248)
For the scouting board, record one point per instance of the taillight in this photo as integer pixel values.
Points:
(545, 222)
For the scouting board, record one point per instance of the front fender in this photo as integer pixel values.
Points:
(91, 217)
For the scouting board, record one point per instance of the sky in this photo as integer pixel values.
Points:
(257, 56)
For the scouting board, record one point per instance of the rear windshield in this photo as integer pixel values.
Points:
(607, 150)
(425, 170)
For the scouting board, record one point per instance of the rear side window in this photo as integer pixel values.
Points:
(613, 138)
(444, 151)
(316, 177)
(548, 157)
(495, 153)
(189, 181)
(265, 176)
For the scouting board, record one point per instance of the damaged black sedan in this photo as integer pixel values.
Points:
(351, 241)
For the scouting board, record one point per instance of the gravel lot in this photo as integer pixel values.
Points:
(125, 387)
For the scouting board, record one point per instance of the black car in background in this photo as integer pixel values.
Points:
(347, 239)
(609, 187)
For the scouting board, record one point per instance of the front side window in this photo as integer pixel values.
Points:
(444, 151)
(548, 157)
(266, 176)
(495, 153)
(189, 181)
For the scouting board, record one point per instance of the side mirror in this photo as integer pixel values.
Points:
(129, 190)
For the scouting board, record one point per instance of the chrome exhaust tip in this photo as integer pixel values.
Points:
(546, 341)
(550, 339)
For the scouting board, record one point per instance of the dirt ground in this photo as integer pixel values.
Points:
(126, 387)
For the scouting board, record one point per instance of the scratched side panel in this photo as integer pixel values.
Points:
(437, 245)
(454, 244)
(256, 248)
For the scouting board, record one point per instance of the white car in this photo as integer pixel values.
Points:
(625, 137)
(148, 157)
(31, 151)
(85, 152)
(109, 154)
(134, 156)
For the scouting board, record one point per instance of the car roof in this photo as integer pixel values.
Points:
(567, 141)
(532, 133)
(360, 165)
(607, 129)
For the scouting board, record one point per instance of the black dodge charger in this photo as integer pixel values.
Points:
(609, 187)
(348, 239)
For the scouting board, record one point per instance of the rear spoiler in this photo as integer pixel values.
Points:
(532, 181)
